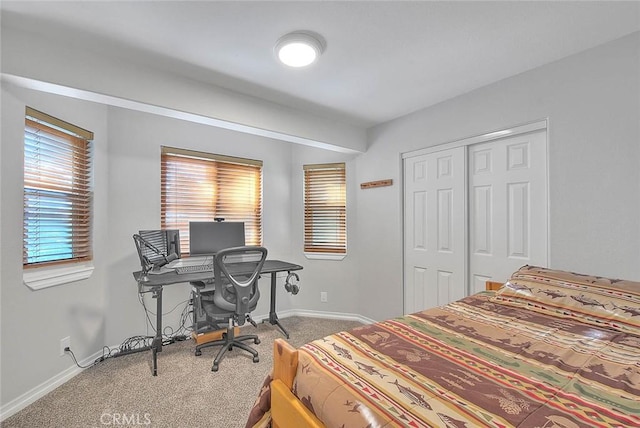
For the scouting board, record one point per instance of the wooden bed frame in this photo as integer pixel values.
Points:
(287, 411)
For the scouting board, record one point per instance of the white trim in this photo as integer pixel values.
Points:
(49, 277)
(325, 256)
(315, 314)
(19, 403)
(110, 100)
(548, 178)
(327, 315)
(466, 229)
(489, 136)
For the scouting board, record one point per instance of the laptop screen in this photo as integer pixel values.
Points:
(209, 237)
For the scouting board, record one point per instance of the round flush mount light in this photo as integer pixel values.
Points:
(299, 48)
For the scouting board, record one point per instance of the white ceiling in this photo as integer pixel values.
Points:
(383, 59)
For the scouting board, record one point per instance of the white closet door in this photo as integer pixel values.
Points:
(434, 223)
(507, 207)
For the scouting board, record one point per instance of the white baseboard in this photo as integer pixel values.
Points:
(322, 314)
(19, 403)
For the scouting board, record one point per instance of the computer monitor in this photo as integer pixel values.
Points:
(160, 243)
(173, 241)
(206, 238)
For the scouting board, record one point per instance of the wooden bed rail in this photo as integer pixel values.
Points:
(285, 362)
(493, 285)
(286, 410)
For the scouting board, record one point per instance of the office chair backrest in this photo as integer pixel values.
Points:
(238, 292)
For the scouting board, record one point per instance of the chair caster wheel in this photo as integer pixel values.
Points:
(214, 368)
(198, 353)
(256, 359)
(256, 341)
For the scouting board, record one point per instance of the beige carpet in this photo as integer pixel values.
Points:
(122, 391)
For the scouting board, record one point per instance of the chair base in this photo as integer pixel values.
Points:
(228, 341)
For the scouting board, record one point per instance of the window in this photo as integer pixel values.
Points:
(325, 213)
(199, 186)
(57, 191)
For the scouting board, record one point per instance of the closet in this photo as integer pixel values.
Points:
(474, 210)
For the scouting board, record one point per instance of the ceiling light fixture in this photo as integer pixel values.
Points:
(299, 48)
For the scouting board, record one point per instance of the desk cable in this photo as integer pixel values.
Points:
(140, 341)
(168, 335)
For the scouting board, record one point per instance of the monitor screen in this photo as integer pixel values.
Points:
(173, 242)
(209, 237)
(161, 243)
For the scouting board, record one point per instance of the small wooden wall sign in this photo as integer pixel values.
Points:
(379, 183)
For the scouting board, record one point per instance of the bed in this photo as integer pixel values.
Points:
(548, 349)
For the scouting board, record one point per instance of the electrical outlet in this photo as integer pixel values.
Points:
(65, 343)
(323, 296)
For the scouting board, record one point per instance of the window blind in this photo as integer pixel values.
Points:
(199, 186)
(57, 191)
(325, 216)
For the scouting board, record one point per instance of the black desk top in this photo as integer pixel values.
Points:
(171, 277)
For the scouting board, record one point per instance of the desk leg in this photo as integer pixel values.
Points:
(273, 316)
(156, 345)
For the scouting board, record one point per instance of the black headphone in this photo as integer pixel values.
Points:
(292, 288)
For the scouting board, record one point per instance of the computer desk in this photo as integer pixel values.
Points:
(156, 283)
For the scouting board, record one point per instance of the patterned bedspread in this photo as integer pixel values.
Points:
(550, 349)
(475, 362)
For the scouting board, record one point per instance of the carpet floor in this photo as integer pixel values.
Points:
(186, 393)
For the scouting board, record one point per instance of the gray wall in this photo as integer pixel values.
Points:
(71, 64)
(104, 309)
(33, 322)
(337, 277)
(592, 101)
(134, 203)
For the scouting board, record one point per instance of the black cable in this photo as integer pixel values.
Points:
(104, 357)
(67, 349)
(146, 312)
(184, 327)
(186, 320)
(108, 354)
(169, 336)
(135, 342)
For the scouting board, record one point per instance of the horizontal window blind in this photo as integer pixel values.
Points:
(325, 212)
(200, 186)
(57, 191)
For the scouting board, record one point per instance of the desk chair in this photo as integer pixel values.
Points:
(234, 297)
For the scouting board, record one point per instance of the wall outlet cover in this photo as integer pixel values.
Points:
(64, 343)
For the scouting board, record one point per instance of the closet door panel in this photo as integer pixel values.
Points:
(435, 243)
(508, 206)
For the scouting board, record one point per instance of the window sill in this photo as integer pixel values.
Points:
(325, 256)
(50, 277)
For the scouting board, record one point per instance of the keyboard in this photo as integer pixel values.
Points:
(194, 268)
